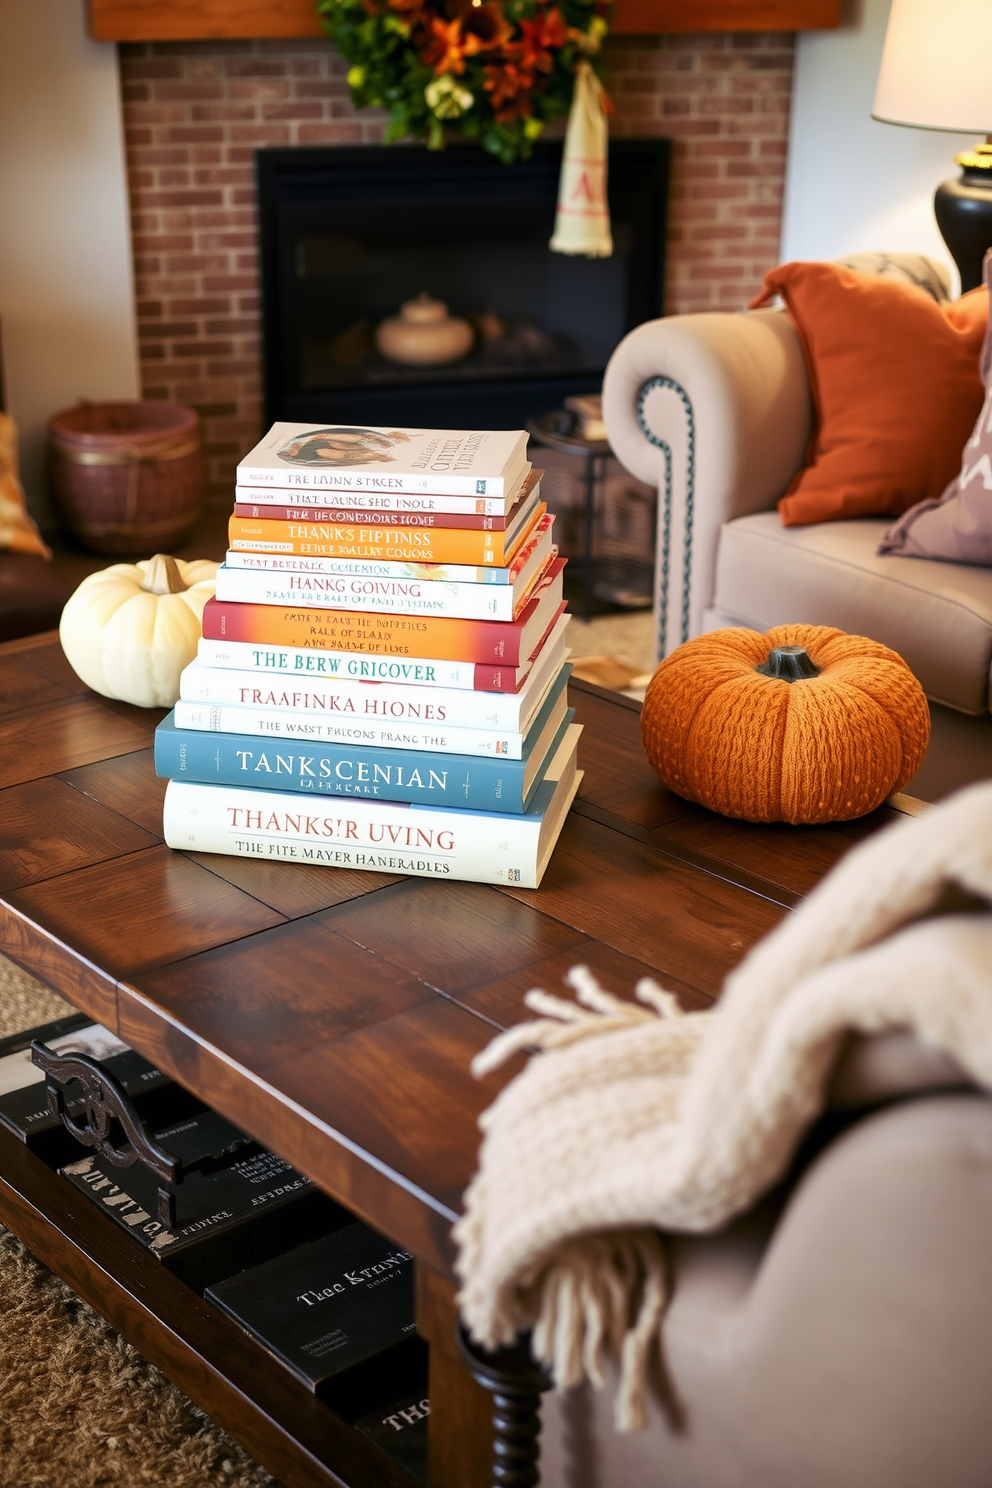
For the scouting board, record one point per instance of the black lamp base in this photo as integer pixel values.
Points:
(963, 209)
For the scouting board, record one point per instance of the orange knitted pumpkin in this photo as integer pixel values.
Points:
(723, 725)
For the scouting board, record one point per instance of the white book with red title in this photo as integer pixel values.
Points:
(382, 461)
(378, 836)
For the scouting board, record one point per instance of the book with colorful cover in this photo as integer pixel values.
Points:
(396, 702)
(348, 457)
(368, 594)
(384, 544)
(297, 725)
(465, 512)
(379, 836)
(417, 671)
(468, 782)
(436, 637)
(537, 540)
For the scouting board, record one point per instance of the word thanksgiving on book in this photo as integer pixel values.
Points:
(381, 681)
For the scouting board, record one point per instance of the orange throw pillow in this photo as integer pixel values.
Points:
(18, 532)
(896, 389)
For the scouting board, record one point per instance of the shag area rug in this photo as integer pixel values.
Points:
(78, 1405)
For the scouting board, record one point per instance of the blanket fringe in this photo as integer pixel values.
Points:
(565, 1023)
(603, 1297)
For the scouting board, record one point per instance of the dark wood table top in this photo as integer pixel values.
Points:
(334, 1014)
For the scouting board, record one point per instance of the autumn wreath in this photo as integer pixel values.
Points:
(497, 71)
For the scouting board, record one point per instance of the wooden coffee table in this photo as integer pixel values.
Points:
(334, 1014)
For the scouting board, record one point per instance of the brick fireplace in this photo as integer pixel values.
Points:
(194, 114)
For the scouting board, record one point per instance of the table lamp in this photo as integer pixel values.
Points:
(936, 73)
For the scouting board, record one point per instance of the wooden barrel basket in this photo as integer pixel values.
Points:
(127, 477)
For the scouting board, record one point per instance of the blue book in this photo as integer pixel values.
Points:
(413, 776)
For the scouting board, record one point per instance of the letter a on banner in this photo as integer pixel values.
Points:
(582, 221)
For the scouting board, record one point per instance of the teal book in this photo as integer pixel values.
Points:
(408, 776)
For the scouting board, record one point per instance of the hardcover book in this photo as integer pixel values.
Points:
(285, 725)
(377, 836)
(359, 502)
(366, 592)
(415, 671)
(464, 512)
(323, 1308)
(339, 457)
(396, 702)
(536, 541)
(467, 781)
(241, 1213)
(385, 544)
(436, 637)
(400, 1428)
(24, 1106)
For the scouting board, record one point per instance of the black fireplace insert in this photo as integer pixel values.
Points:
(349, 234)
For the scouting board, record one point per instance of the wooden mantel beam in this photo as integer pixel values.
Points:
(206, 20)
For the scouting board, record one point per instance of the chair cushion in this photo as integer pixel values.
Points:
(895, 383)
(18, 531)
(958, 524)
(938, 616)
(811, 1352)
(31, 595)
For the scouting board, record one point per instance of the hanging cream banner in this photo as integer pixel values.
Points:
(582, 220)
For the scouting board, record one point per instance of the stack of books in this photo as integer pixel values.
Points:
(388, 634)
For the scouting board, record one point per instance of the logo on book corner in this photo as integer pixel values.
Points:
(480, 488)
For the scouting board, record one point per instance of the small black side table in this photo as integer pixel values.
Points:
(558, 430)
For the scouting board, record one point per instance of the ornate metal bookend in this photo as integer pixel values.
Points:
(517, 1382)
(105, 1101)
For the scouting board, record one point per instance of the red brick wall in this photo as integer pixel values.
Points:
(195, 113)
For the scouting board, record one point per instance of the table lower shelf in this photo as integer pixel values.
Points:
(298, 1438)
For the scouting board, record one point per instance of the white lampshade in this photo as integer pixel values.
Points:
(936, 70)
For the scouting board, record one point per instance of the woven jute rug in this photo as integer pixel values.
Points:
(78, 1405)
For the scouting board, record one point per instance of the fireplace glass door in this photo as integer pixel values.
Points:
(349, 235)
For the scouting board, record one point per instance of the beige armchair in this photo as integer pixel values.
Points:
(715, 411)
(840, 1334)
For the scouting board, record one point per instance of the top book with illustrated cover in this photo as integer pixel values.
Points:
(344, 457)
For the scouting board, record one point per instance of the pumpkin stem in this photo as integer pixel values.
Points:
(789, 664)
(162, 576)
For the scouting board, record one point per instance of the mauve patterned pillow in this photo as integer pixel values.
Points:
(956, 526)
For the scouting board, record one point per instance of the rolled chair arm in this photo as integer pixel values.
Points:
(714, 410)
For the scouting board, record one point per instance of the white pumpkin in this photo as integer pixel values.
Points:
(129, 630)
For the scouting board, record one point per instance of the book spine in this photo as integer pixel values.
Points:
(449, 573)
(364, 501)
(404, 775)
(369, 595)
(418, 671)
(487, 641)
(263, 477)
(459, 521)
(367, 835)
(365, 540)
(282, 724)
(378, 701)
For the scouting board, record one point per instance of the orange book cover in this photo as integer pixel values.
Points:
(383, 544)
(508, 642)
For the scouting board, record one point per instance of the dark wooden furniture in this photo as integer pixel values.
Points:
(201, 20)
(31, 592)
(333, 1015)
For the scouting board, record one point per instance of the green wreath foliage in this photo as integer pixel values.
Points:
(496, 71)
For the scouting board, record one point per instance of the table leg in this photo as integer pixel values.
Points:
(460, 1431)
(516, 1383)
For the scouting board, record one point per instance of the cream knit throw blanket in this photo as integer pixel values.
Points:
(638, 1119)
